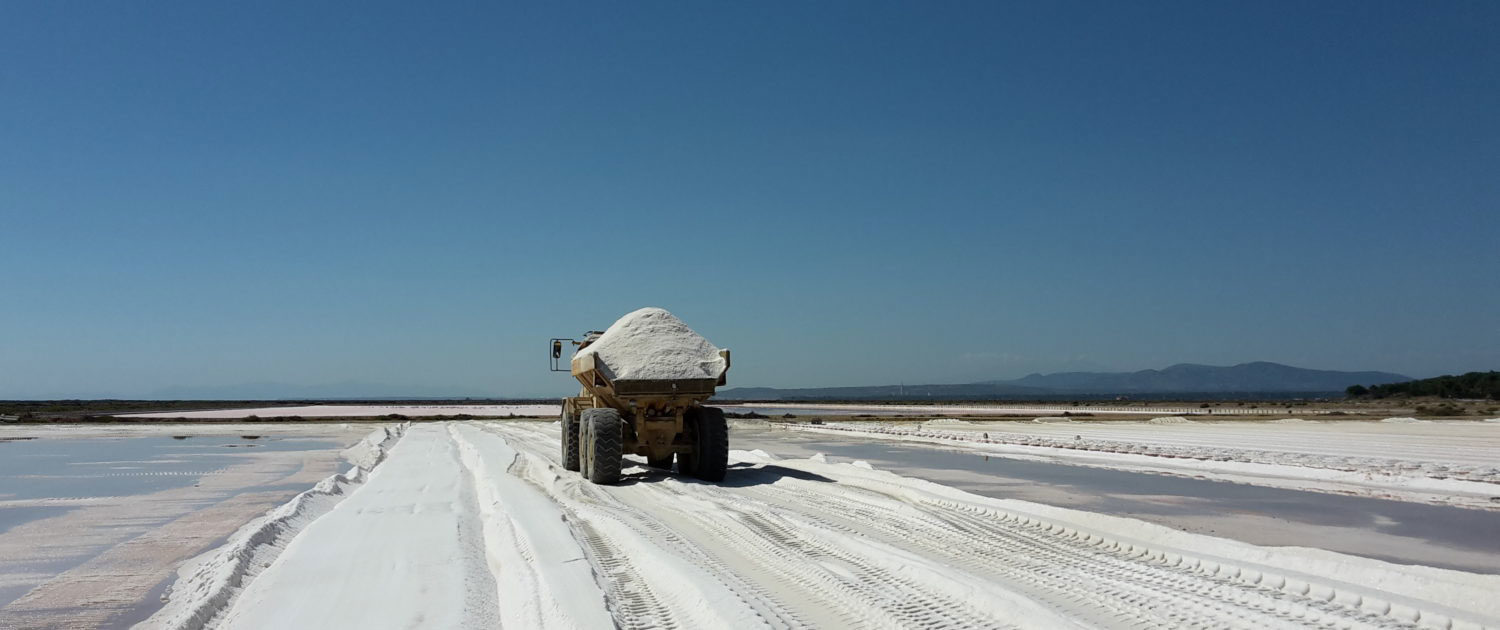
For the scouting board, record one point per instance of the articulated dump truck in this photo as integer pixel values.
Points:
(644, 381)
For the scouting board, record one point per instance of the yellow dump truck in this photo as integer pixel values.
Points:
(644, 383)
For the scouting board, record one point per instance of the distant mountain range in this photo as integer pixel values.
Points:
(1260, 376)
(1258, 379)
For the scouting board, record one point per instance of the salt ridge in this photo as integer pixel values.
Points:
(208, 583)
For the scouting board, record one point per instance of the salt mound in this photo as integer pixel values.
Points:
(371, 450)
(652, 344)
(1051, 419)
(1169, 420)
(1289, 421)
(1403, 421)
(764, 455)
(946, 422)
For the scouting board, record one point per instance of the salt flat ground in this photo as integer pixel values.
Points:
(550, 410)
(475, 524)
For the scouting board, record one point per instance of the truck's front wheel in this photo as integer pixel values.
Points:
(710, 436)
(604, 443)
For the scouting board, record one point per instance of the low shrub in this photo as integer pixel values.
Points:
(1440, 410)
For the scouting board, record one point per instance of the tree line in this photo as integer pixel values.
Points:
(1471, 385)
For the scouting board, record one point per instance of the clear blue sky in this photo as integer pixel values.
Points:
(413, 198)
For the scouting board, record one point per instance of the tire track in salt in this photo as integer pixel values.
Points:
(1109, 580)
(832, 575)
(858, 548)
(616, 536)
(480, 606)
(761, 581)
(827, 576)
(630, 599)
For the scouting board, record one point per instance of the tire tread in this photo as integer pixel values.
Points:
(570, 440)
(604, 462)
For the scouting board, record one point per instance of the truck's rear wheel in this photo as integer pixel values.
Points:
(710, 435)
(604, 443)
(569, 438)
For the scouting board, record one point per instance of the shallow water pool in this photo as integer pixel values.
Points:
(1397, 531)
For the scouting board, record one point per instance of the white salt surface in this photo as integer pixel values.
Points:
(652, 344)
(338, 411)
(470, 525)
(441, 538)
(946, 422)
(1170, 420)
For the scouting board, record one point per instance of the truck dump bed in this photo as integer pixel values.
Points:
(650, 352)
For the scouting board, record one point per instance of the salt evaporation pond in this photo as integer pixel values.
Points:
(96, 467)
(1396, 531)
(70, 507)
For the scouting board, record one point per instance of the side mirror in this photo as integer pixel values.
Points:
(556, 351)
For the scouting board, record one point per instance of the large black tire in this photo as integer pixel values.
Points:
(710, 437)
(569, 439)
(601, 464)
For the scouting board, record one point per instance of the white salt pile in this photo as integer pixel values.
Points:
(946, 422)
(1170, 420)
(652, 344)
(1289, 421)
(1403, 421)
(1051, 419)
